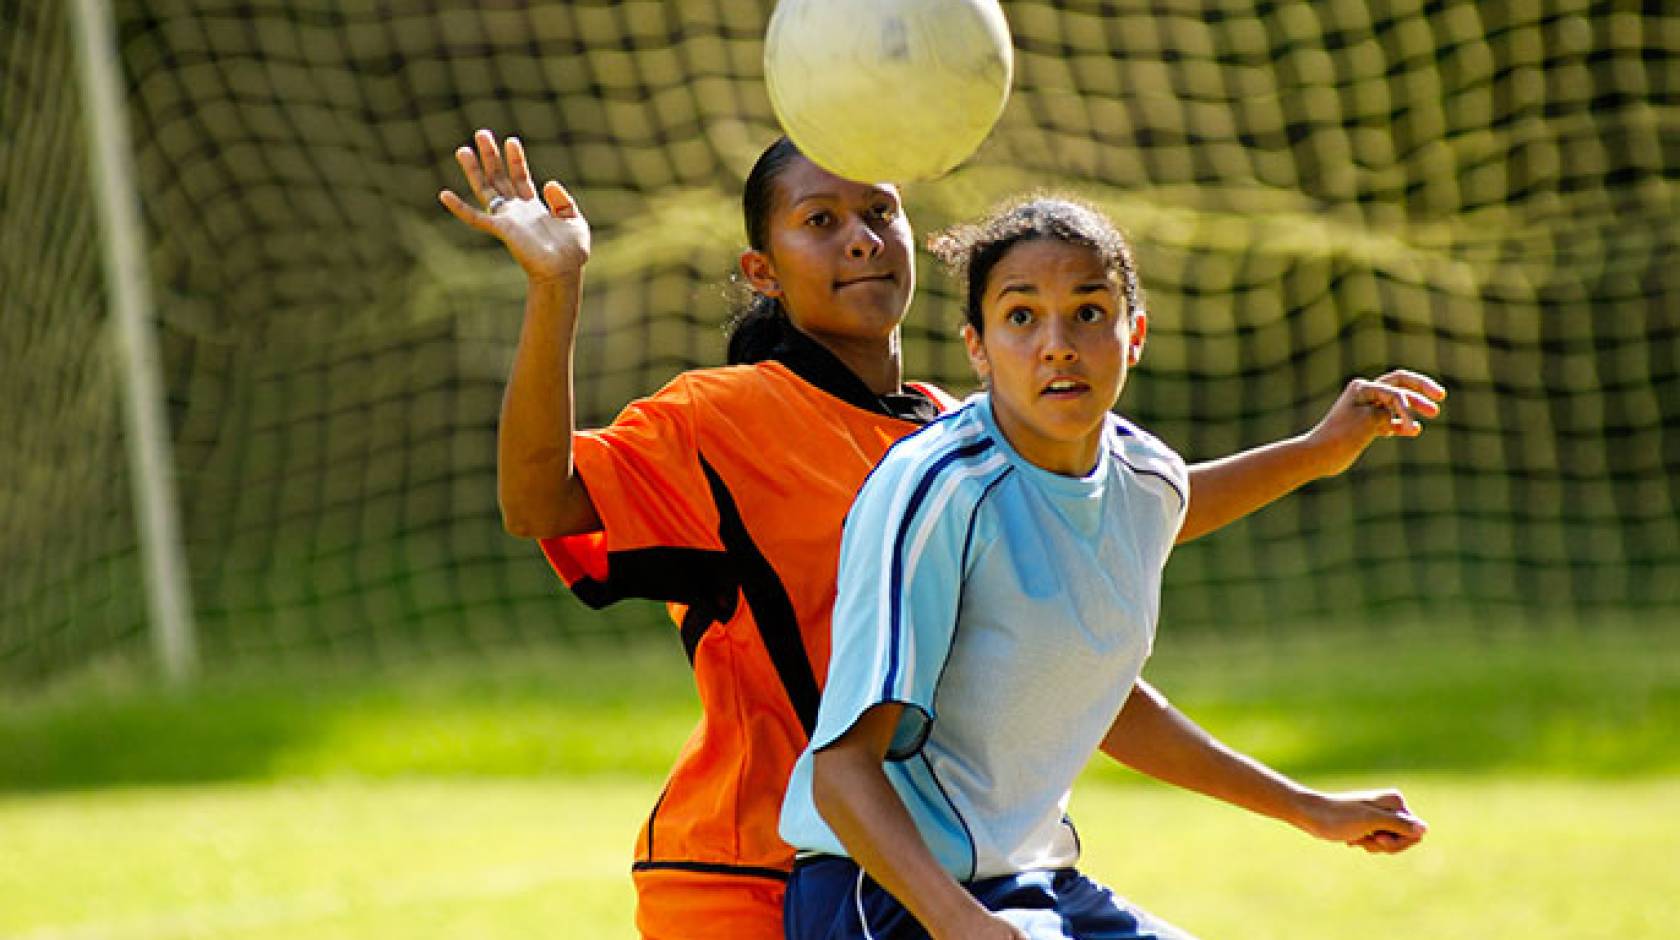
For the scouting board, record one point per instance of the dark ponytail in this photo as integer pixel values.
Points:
(759, 323)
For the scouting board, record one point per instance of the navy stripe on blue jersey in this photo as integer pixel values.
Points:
(896, 585)
(1183, 500)
(973, 850)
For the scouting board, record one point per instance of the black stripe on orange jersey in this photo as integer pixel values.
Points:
(713, 868)
(772, 609)
(701, 578)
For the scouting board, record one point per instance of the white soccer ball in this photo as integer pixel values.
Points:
(888, 90)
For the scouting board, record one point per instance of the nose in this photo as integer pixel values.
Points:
(1058, 342)
(864, 242)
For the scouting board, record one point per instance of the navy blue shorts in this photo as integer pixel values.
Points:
(830, 898)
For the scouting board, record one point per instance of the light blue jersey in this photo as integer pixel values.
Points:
(1012, 609)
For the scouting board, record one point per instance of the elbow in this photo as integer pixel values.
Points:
(522, 520)
(521, 527)
(550, 518)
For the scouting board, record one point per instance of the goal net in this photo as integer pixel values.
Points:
(1484, 191)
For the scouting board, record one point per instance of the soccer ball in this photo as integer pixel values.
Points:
(888, 90)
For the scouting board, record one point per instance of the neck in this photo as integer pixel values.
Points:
(1067, 458)
(875, 360)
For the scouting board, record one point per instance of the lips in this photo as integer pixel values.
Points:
(866, 279)
(1065, 386)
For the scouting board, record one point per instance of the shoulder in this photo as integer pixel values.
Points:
(720, 382)
(742, 390)
(924, 497)
(941, 398)
(1147, 456)
(956, 452)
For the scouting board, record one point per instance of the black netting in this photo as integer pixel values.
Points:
(71, 590)
(1482, 190)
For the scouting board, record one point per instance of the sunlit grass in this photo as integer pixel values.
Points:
(374, 859)
(500, 798)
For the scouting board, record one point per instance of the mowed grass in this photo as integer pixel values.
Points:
(363, 859)
(500, 799)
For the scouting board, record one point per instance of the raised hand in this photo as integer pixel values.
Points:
(1390, 406)
(547, 235)
(1374, 820)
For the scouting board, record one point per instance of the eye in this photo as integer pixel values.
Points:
(819, 219)
(885, 211)
(1090, 313)
(1018, 316)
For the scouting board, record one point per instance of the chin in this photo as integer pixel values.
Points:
(885, 317)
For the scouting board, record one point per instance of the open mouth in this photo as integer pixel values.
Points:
(1065, 387)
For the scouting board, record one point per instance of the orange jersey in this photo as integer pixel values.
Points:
(724, 495)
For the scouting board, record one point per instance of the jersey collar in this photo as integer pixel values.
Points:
(813, 362)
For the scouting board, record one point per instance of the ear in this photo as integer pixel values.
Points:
(1140, 329)
(760, 273)
(977, 353)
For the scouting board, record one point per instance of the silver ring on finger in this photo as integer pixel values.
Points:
(496, 202)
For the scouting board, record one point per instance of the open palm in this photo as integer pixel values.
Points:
(547, 235)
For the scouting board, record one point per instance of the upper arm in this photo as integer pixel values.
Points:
(645, 520)
(867, 739)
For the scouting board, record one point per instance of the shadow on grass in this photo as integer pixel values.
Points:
(542, 713)
(1532, 703)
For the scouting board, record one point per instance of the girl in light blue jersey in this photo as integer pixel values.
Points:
(998, 591)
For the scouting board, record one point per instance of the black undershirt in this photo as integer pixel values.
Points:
(813, 362)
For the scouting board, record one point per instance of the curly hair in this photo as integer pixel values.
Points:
(970, 250)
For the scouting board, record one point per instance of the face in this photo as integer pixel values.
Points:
(839, 255)
(1056, 348)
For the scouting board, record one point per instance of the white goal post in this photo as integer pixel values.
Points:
(128, 290)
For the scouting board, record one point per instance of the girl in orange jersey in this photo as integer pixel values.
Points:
(723, 494)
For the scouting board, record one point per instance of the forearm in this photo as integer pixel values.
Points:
(539, 491)
(1225, 490)
(1154, 738)
(862, 808)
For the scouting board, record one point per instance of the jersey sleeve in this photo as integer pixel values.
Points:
(1150, 457)
(898, 590)
(659, 525)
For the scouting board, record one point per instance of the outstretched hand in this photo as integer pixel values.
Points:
(548, 236)
(1390, 406)
(1374, 820)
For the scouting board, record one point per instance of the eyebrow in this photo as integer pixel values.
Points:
(1031, 290)
(824, 196)
(828, 195)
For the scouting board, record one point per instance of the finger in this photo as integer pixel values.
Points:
(1417, 382)
(1400, 822)
(468, 159)
(518, 170)
(1392, 800)
(1375, 844)
(1386, 843)
(494, 172)
(1411, 400)
(458, 208)
(559, 201)
(1393, 401)
(1421, 404)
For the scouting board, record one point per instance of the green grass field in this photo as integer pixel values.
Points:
(499, 800)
